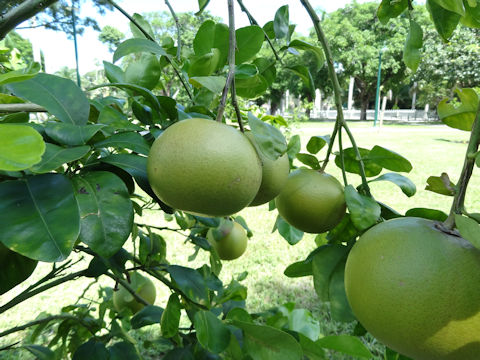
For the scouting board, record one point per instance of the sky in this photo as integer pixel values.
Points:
(59, 51)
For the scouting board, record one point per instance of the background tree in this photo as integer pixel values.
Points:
(111, 36)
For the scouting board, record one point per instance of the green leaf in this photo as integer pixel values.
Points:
(309, 160)
(266, 68)
(21, 147)
(472, 14)
(267, 343)
(390, 9)
(123, 351)
(299, 268)
(413, 45)
(212, 333)
(202, 4)
(462, 116)
(114, 121)
(404, 183)
(171, 317)
(251, 88)
(14, 269)
(339, 306)
(364, 211)
(149, 315)
(441, 185)
(389, 159)
(213, 83)
(311, 349)
(281, 22)
(469, 229)
(39, 217)
(72, 135)
(136, 32)
(425, 213)
(288, 232)
(455, 6)
(316, 143)
(300, 321)
(245, 71)
(126, 140)
(20, 117)
(324, 263)
(106, 211)
(249, 42)
(144, 71)
(445, 21)
(40, 352)
(293, 147)
(352, 164)
(60, 96)
(92, 350)
(204, 65)
(346, 344)
(269, 139)
(304, 73)
(55, 156)
(131, 46)
(303, 45)
(114, 73)
(211, 35)
(18, 75)
(190, 281)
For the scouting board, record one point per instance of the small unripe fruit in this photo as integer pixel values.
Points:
(229, 240)
(142, 285)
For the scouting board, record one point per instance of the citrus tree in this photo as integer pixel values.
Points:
(76, 179)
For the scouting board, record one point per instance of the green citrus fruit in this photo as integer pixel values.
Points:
(144, 72)
(274, 175)
(229, 240)
(204, 167)
(311, 201)
(142, 285)
(417, 289)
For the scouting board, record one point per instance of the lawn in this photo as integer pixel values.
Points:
(431, 149)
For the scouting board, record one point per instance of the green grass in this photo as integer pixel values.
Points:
(431, 149)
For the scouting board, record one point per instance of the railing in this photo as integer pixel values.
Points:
(388, 115)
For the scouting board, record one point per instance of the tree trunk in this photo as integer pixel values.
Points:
(364, 107)
(273, 107)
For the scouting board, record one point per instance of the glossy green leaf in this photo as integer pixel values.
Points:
(91, 350)
(425, 213)
(441, 185)
(461, 116)
(114, 73)
(469, 229)
(316, 143)
(266, 68)
(204, 65)
(309, 160)
(147, 94)
(149, 315)
(131, 46)
(352, 164)
(293, 147)
(60, 96)
(142, 112)
(126, 140)
(445, 21)
(202, 4)
(304, 73)
(190, 281)
(269, 139)
(472, 14)
(20, 117)
(39, 217)
(106, 211)
(300, 321)
(213, 83)
(211, 333)
(251, 88)
(405, 184)
(245, 71)
(211, 35)
(55, 156)
(249, 42)
(281, 22)
(267, 343)
(344, 232)
(171, 317)
(413, 44)
(346, 344)
(71, 135)
(364, 210)
(144, 71)
(389, 159)
(288, 232)
(136, 32)
(455, 6)
(339, 306)
(14, 269)
(310, 349)
(390, 9)
(324, 263)
(16, 75)
(114, 121)
(40, 352)
(299, 268)
(303, 45)
(268, 28)
(21, 147)
(123, 351)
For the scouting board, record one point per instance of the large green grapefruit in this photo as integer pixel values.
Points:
(229, 240)
(142, 285)
(311, 201)
(417, 289)
(204, 167)
(274, 175)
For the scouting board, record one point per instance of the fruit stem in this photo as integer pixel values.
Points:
(235, 106)
(177, 24)
(342, 158)
(459, 198)
(231, 60)
(149, 37)
(337, 92)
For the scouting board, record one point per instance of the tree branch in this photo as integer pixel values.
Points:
(235, 106)
(22, 12)
(177, 24)
(13, 108)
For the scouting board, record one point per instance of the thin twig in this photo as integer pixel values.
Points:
(336, 89)
(254, 22)
(330, 145)
(14, 108)
(149, 37)
(231, 60)
(235, 106)
(177, 24)
(468, 164)
(342, 157)
(127, 287)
